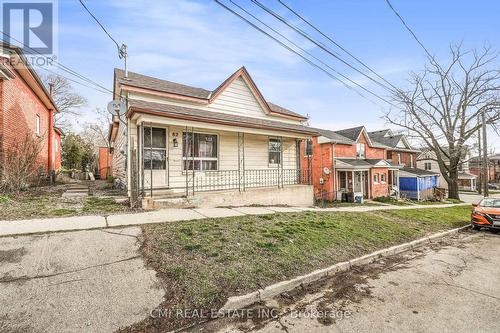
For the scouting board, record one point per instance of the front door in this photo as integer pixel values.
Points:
(155, 157)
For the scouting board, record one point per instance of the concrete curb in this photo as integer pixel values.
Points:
(239, 302)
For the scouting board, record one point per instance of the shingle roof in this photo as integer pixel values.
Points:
(144, 81)
(217, 117)
(148, 82)
(350, 133)
(335, 137)
(390, 141)
(279, 109)
(419, 172)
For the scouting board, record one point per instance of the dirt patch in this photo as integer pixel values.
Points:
(12, 256)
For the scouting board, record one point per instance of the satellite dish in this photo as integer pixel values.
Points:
(326, 171)
(117, 107)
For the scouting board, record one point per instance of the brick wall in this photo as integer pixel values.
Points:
(19, 107)
(405, 158)
(381, 188)
(57, 151)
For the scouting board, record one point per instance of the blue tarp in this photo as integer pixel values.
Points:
(410, 185)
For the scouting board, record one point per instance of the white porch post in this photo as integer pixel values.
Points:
(362, 178)
(352, 180)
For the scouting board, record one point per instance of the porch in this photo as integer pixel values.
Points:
(185, 161)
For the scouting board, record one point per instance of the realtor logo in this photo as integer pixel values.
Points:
(30, 25)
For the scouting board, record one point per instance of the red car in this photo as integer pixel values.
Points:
(486, 214)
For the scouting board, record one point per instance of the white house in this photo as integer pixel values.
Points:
(466, 181)
(228, 146)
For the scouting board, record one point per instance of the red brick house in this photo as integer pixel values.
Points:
(348, 161)
(26, 108)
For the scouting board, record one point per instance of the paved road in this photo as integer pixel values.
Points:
(474, 197)
(453, 287)
(85, 281)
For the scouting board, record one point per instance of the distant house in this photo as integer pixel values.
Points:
(466, 181)
(348, 161)
(26, 109)
(475, 165)
(228, 146)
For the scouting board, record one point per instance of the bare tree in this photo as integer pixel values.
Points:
(444, 103)
(66, 99)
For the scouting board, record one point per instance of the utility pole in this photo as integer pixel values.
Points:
(485, 156)
(479, 159)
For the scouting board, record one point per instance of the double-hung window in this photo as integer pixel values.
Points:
(200, 151)
(274, 151)
(360, 150)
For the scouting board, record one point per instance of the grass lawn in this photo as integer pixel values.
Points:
(338, 204)
(40, 204)
(202, 263)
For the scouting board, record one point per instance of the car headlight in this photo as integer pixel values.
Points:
(478, 213)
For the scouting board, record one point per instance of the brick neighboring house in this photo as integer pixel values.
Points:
(493, 168)
(348, 161)
(26, 108)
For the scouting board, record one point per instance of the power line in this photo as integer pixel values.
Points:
(62, 67)
(297, 53)
(306, 52)
(317, 43)
(335, 43)
(408, 28)
(100, 24)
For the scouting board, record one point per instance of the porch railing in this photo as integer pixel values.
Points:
(234, 179)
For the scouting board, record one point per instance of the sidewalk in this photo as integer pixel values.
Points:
(20, 227)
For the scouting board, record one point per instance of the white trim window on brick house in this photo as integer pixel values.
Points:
(360, 150)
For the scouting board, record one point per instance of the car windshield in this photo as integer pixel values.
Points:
(490, 203)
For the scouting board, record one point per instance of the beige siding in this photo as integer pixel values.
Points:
(236, 99)
(255, 154)
(119, 158)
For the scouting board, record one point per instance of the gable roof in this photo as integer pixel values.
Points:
(407, 171)
(26, 71)
(387, 138)
(334, 137)
(199, 94)
(351, 133)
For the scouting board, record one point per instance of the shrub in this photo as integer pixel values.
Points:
(21, 164)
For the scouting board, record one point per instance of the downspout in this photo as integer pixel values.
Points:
(334, 196)
(50, 132)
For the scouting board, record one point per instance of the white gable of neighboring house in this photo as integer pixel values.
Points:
(402, 144)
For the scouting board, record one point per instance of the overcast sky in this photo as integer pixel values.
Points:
(198, 43)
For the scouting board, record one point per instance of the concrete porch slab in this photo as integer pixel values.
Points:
(218, 212)
(52, 224)
(254, 210)
(163, 215)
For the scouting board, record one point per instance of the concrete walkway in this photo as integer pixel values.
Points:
(20, 227)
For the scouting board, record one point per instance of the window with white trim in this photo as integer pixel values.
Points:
(274, 148)
(200, 151)
(360, 150)
(399, 158)
(382, 177)
(427, 166)
(375, 178)
(37, 125)
(411, 160)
